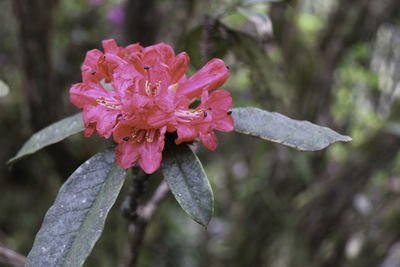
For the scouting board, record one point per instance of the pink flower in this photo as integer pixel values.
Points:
(138, 94)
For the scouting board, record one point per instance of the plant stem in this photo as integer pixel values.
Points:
(10, 257)
(140, 216)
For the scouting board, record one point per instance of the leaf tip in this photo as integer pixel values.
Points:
(10, 163)
(347, 138)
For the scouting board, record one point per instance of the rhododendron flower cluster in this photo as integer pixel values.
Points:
(137, 94)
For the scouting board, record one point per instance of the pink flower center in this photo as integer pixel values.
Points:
(151, 90)
(141, 135)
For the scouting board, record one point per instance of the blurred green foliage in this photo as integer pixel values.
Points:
(331, 62)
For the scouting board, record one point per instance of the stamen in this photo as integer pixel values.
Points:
(93, 72)
(134, 133)
(148, 87)
(111, 103)
(150, 135)
(229, 112)
(140, 135)
(126, 138)
(152, 90)
(147, 67)
(155, 89)
(190, 115)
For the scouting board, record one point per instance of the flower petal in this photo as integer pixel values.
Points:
(186, 133)
(110, 46)
(92, 56)
(127, 154)
(78, 97)
(82, 94)
(90, 128)
(122, 130)
(133, 48)
(224, 125)
(209, 77)
(159, 53)
(105, 119)
(219, 99)
(209, 140)
(150, 153)
(108, 63)
(90, 69)
(159, 118)
(179, 67)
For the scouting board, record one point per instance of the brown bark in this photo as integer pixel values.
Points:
(34, 23)
(43, 97)
(142, 22)
(139, 215)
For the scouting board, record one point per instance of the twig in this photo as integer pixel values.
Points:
(10, 257)
(147, 212)
(136, 192)
(138, 224)
(207, 43)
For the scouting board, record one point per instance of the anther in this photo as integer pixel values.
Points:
(146, 67)
(134, 133)
(227, 67)
(205, 114)
(229, 112)
(93, 72)
(126, 138)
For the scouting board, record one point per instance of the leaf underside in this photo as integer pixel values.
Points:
(74, 223)
(52, 134)
(188, 182)
(275, 127)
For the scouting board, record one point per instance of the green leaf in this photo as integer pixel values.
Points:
(254, 15)
(4, 89)
(261, 21)
(52, 134)
(188, 182)
(74, 223)
(275, 127)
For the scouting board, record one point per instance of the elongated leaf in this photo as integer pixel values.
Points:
(74, 223)
(4, 89)
(275, 127)
(261, 21)
(254, 15)
(188, 183)
(52, 134)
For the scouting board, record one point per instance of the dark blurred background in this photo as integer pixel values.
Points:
(332, 62)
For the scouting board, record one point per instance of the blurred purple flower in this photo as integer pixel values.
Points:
(116, 15)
